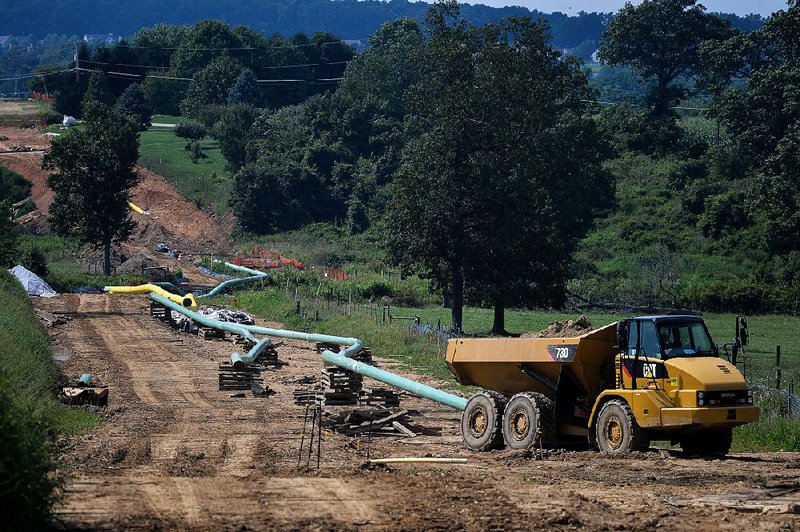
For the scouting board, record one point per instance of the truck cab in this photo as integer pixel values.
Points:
(672, 384)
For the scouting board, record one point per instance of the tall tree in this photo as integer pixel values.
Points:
(93, 175)
(431, 225)
(133, 103)
(244, 90)
(97, 90)
(660, 40)
(503, 173)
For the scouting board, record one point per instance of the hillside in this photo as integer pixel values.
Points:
(350, 19)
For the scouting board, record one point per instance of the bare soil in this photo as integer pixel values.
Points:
(175, 452)
(172, 218)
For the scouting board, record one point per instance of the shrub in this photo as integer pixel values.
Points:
(51, 117)
(191, 130)
(36, 261)
(28, 480)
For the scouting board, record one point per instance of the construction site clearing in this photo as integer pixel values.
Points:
(192, 439)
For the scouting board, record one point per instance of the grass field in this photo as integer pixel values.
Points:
(206, 183)
(13, 112)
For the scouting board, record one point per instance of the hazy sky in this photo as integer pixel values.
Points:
(740, 7)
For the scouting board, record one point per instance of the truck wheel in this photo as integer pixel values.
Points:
(708, 442)
(528, 421)
(617, 430)
(481, 420)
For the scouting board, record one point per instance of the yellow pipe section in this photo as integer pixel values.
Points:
(138, 209)
(187, 301)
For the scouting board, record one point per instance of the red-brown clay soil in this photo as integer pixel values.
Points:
(172, 218)
(174, 452)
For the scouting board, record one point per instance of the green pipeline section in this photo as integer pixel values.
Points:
(255, 275)
(342, 359)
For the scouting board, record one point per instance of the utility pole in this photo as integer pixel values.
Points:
(77, 71)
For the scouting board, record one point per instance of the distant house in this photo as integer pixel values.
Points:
(101, 38)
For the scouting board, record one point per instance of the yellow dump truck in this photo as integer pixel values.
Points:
(618, 387)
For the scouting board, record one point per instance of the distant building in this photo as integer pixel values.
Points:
(101, 38)
(595, 58)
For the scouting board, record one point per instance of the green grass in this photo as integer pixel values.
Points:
(206, 183)
(27, 363)
(166, 119)
(66, 271)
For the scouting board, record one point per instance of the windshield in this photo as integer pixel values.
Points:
(685, 339)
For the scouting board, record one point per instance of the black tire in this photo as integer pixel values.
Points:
(616, 429)
(528, 421)
(708, 442)
(481, 421)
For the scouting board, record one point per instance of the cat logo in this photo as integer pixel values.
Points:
(649, 370)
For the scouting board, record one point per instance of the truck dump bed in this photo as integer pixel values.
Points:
(505, 365)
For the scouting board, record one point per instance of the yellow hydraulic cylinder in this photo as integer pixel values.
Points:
(187, 301)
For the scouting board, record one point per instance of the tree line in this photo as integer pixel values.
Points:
(477, 153)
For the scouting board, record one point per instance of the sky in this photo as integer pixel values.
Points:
(740, 7)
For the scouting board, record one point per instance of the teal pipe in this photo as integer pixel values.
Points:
(255, 275)
(342, 359)
(233, 328)
(238, 360)
(393, 379)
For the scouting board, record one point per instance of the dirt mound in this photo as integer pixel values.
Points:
(137, 263)
(176, 215)
(563, 329)
(172, 218)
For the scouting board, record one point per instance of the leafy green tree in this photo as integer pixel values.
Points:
(97, 90)
(232, 133)
(211, 85)
(501, 174)
(660, 40)
(93, 173)
(763, 120)
(8, 236)
(133, 103)
(191, 130)
(203, 43)
(35, 260)
(244, 90)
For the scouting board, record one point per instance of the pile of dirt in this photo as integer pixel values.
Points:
(182, 220)
(563, 329)
(137, 263)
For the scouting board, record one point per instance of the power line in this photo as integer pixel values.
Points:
(231, 49)
(35, 75)
(275, 67)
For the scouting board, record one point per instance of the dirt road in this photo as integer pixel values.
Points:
(174, 452)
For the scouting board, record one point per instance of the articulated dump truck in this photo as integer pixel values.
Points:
(618, 388)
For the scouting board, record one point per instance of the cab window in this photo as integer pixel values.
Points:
(649, 342)
(633, 337)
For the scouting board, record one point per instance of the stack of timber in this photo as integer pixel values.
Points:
(367, 397)
(208, 333)
(160, 312)
(269, 358)
(231, 378)
(382, 397)
(372, 422)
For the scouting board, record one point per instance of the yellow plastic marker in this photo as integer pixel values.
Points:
(187, 301)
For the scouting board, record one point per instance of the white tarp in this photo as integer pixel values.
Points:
(32, 283)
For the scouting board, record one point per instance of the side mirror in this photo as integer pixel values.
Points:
(742, 335)
(622, 335)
